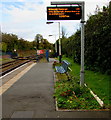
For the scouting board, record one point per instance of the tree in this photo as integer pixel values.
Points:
(11, 40)
(38, 39)
(64, 34)
(3, 46)
(97, 42)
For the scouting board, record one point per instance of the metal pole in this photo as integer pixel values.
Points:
(82, 33)
(59, 45)
(36, 53)
(37, 48)
(55, 46)
(82, 48)
(56, 42)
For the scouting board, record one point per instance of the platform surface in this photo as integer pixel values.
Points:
(32, 97)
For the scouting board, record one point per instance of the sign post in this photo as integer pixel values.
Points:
(70, 13)
(60, 55)
(82, 47)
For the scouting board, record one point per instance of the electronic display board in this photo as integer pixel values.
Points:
(64, 13)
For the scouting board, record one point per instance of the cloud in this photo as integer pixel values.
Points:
(26, 18)
(23, 19)
(25, 13)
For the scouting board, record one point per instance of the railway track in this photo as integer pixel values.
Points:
(17, 62)
(9, 66)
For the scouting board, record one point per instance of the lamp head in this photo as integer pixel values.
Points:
(49, 22)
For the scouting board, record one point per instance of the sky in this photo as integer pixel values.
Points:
(26, 18)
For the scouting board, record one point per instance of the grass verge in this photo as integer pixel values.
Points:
(4, 60)
(97, 82)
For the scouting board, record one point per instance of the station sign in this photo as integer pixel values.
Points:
(64, 13)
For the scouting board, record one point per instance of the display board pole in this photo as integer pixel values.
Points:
(81, 3)
(60, 56)
(82, 47)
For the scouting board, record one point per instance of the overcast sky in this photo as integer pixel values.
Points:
(26, 18)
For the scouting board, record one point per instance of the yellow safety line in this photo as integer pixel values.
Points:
(8, 84)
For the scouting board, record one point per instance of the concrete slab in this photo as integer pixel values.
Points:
(23, 114)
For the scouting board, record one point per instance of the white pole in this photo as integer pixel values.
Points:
(59, 44)
(82, 48)
(82, 34)
(55, 45)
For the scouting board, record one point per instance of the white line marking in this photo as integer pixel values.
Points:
(8, 84)
(96, 97)
(13, 70)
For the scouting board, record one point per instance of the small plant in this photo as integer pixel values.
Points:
(66, 93)
(70, 95)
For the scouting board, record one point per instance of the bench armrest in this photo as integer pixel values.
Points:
(69, 68)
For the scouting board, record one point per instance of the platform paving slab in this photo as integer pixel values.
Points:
(23, 114)
(33, 94)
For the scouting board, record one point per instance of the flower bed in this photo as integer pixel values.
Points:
(69, 95)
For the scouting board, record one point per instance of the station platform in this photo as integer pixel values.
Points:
(31, 96)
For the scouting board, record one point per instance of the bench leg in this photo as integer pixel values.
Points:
(69, 78)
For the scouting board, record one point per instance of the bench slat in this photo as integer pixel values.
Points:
(63, 68)
(60, 69)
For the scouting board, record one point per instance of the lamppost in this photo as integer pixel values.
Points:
(37, 47)
(60, 55)
(55, 44)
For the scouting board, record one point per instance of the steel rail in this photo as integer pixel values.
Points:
(12, 68)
